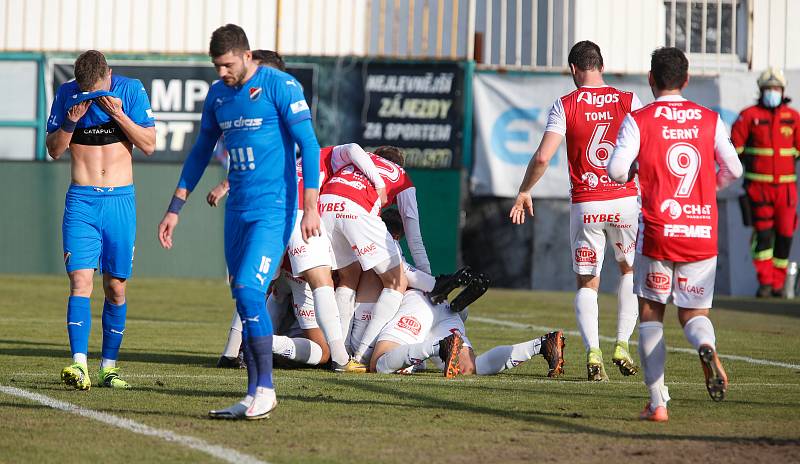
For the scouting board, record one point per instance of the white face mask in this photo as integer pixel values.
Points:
(771, 98)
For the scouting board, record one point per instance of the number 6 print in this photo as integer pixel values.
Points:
(599, 150)
(683, 161)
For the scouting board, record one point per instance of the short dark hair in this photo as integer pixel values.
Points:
(393, 154)
(394, 223)
(585, 55)
(669, 67)
(269, 58)
(90, 67)
(228, 38)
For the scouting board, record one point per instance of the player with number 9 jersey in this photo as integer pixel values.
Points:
(676, 144)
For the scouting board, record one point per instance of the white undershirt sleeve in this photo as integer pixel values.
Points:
(352, 153)
(557, 119)
(730, 168)
(407, 205)
(635, 102)
(625, 152)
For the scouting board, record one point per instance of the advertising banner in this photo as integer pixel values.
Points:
(418, 107)
(177, 91)
(510, 117)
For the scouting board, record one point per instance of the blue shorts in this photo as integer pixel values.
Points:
(99, 229)
(255, 242)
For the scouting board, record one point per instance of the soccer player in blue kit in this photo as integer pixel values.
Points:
(262, 114)
(99, 117)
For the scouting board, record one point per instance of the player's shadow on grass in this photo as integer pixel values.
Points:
(125, 356)
(774, 307)
(577, 424)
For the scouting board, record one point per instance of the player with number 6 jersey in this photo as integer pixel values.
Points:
(602, 210)
(676, 144)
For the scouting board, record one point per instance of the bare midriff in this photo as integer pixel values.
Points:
(102, 165)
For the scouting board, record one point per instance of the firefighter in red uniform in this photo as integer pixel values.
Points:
(767, 137)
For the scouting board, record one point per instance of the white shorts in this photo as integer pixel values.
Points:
(302, 298)
(691, 285)
(281, 313)
(418, 319)
(304, 256)
(361, 318)
(592, 222)
(357, 235)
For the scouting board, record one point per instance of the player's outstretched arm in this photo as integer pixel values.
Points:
(304, 136)
(409, 214)
(535, 170)
(193, 169)
(352, 153)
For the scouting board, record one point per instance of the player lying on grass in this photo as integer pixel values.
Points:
(349, 205)
(311, 261)
(421, 330)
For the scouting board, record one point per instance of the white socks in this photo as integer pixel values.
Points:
(699, 331)
(404, 356)
(346, 302)
(505, 357)
(653, 356)
(385, 308)
(363, 315)
(627, 308)
(301, 350)
(586, 314)
(79, 358)
(234, 337)
(327, 313)
(106, 363)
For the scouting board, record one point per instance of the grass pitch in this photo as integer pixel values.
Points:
(176, 329)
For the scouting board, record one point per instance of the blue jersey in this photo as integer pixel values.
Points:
(135, 103)
(255, 120)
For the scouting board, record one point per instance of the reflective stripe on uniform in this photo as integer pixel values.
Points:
(780, 263)
(789, 151)
(784, 179)
(758, 151)
(762, 255)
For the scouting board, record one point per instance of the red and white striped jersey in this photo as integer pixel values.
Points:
(589, 118)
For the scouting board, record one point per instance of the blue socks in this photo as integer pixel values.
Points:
(113, 328)
(79, 324)
(257, 336)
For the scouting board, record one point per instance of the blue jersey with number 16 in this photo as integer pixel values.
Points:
(254, 120)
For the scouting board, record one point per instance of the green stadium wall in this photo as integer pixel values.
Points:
(30, 235)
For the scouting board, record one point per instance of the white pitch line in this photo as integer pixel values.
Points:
(220, 452)
(733, 357)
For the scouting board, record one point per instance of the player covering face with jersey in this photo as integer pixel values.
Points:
(677, 145)
(100, 117)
